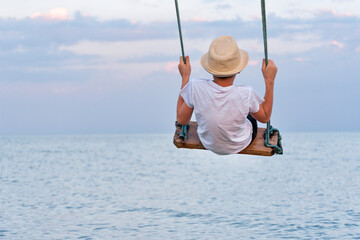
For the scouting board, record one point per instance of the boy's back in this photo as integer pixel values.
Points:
(221, 108)
(221, 113)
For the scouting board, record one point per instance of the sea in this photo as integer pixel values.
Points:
(140, 186)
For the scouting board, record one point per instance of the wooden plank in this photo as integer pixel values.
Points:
(257, 147)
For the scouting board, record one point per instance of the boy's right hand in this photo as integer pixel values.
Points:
(269, 71)
(185, 69)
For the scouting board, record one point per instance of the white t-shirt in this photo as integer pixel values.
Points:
(221, 113)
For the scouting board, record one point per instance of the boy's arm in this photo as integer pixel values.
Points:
(183, 111)
(265, 109)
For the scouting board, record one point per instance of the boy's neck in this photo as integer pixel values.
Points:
(224, 81)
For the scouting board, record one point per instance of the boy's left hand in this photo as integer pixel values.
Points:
(185, 69)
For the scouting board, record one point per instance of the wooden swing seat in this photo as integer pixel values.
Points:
(257, 147)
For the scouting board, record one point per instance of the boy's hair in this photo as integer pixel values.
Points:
(223, 78)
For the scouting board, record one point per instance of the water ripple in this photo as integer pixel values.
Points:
(141, 187)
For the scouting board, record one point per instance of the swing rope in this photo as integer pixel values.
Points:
(179, 27)
(270, 131)
(184, 128)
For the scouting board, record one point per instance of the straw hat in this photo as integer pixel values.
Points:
(224, 58)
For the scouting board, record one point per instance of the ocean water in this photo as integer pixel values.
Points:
(142, 187)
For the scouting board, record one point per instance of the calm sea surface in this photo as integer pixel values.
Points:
(142, 187)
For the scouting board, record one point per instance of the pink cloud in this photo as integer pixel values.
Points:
(299, 59)
(338, 44)
(357, 49)
(58, 14)
(255, 17)
(172, 67)
(253, 63)
(336, 13)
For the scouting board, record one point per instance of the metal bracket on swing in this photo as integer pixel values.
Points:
(269, 132)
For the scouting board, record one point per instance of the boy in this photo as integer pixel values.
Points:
(225, 112)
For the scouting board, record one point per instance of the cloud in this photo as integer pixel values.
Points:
(298, 43)
(337, 44)
(299, 59)
(124, 50)
(224, 6)
(58, 14)
(163, 11)
(197, 19)
(120, 61)
(171, 67)
(85, 43)
(335, 13)
(253, 63)
(111, 54)
(285, 44)
(135, 59)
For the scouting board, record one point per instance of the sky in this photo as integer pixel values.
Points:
(79, 67)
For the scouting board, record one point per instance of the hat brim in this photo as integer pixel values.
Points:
(243, 62)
